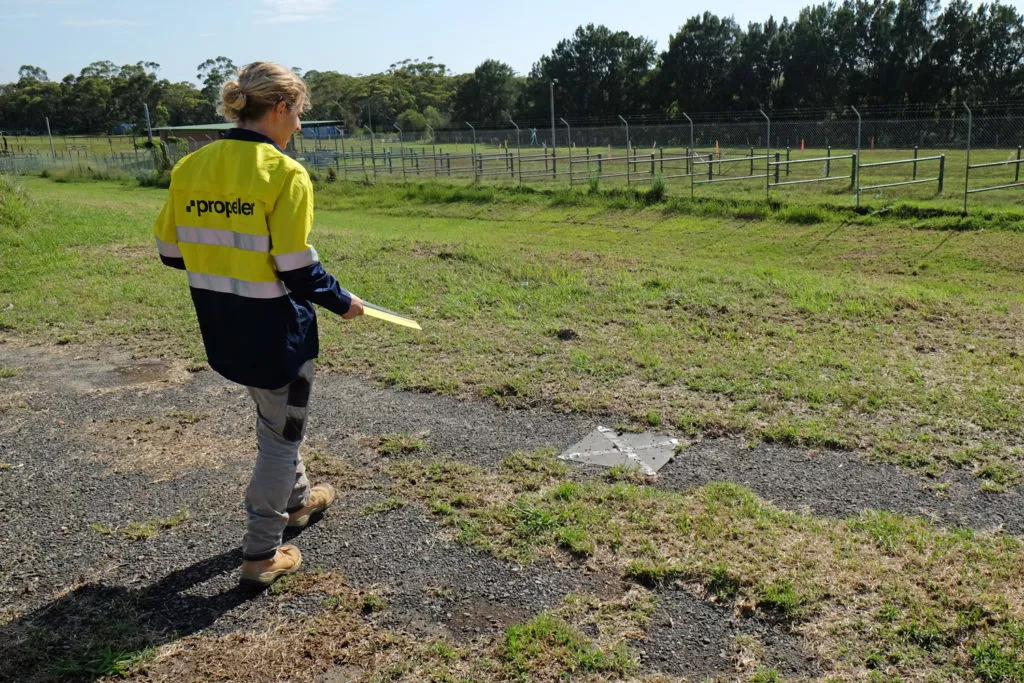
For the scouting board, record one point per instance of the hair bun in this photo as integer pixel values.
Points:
(233, 97)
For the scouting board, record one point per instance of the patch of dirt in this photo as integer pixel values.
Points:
(137, 251)
(699, 639)
(162, 447)
(73, 368)
(839, 484)
(438, 585)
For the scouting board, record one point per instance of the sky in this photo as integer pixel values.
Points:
(62, 36)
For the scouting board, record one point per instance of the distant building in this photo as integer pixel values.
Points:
(314, 131)
(203, 134)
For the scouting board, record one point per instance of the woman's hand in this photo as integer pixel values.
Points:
(355, 309)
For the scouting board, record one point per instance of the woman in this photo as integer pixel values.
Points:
(238, 221)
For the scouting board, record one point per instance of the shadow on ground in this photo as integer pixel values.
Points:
(97, 630)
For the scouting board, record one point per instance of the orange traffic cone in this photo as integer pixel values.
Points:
(801, 144)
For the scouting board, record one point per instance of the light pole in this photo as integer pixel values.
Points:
(551, 88)
(569, 143)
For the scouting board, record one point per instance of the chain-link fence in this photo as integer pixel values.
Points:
(861, 157)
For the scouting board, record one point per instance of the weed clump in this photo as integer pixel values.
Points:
(158, 179)
(13, 203)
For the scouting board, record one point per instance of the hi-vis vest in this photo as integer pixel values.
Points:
(238, 221)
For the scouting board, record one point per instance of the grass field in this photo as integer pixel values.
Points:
(896, 336)
(799, 326)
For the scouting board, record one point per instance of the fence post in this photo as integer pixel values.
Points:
(777, 159)
(856, 179)
(942, 171)
(652, 164)
(915, 163)
(689, 155)
(787, 159)
(767, 156)
(554, 165)
(828, 161)
(752, 162)
(600, 164)
(662, 151)
(711, 166)
(967, 171)
(625, 154)
(853, 170)
(1016, 175)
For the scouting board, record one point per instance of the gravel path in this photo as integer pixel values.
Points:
(93, 440)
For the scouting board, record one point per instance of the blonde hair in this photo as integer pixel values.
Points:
(259, 88)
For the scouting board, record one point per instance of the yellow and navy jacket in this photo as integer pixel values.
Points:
(238, 221)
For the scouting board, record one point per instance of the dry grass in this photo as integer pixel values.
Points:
(343, 639)
(162, 447)
(877, 593)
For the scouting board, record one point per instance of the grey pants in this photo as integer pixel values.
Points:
(278, 485)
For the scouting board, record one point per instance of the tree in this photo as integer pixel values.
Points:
(999, 52)
(756, 73)
(489, 94)
(812, 64)
(411, 120)
(185, 104)
(135, 85)
(33, 73)
(694, 73)
(214, 73)
(435, 118)
(600, 72)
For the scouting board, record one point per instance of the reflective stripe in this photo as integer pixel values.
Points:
(229, 285)
(296, 259)
(167, 249)
(224, 238)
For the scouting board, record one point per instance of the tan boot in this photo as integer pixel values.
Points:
(320, 498)
(261, 573)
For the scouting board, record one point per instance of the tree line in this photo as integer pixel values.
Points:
(891, 53)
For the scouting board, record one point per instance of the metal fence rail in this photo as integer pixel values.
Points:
(711, 150)
(778, 164)
(941, 158)
(1016, 175)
